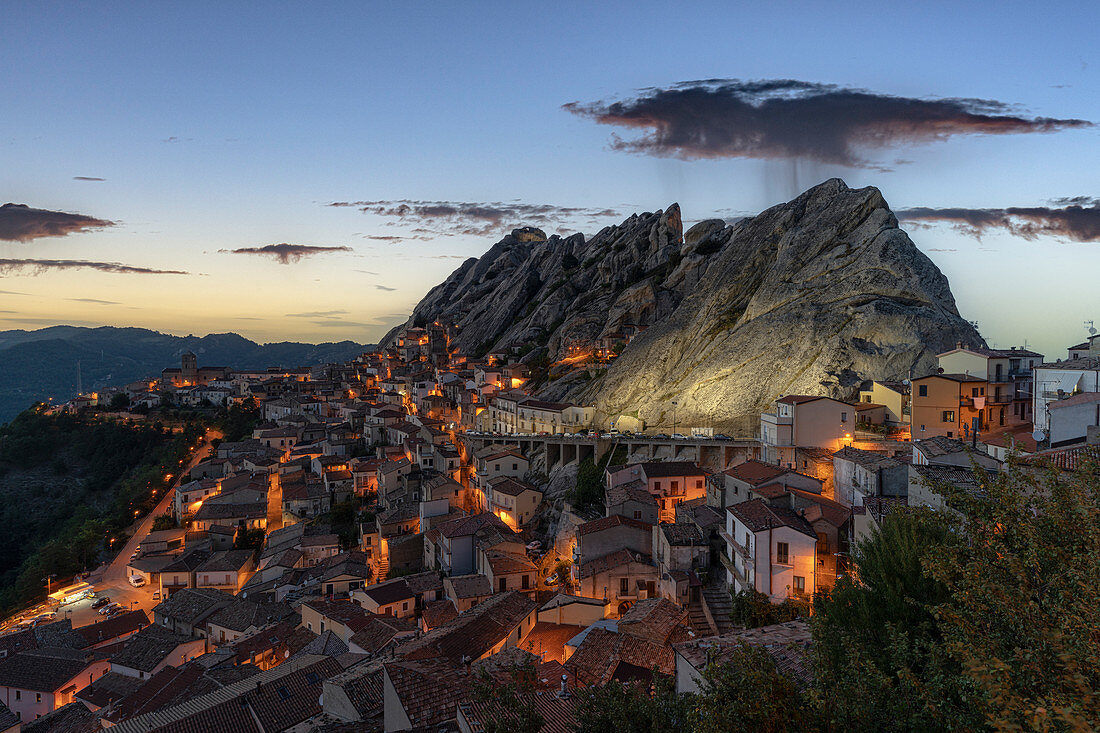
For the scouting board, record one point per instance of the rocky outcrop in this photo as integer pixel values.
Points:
(811, 296)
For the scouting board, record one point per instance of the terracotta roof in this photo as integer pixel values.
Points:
(788, 644)
(510, 486)
(631, 491)
(1068, 459)
(72, 718)
(754, 472)
(613, 560)
(470, 586)
(428, 690)
(390, 591)
(379, 632)
(615, 520)
(601, 652)
(123, 623)
(438, 613)
(506, 563)
(867, 459)
(44, 669)
(148, 648)
(757, 515)
(653, 619)
(662, 469)
(109, 688)
(473, 633)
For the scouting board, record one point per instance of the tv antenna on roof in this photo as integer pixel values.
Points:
(1092, 328)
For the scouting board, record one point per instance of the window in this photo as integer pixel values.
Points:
(699, 484)
(656, 485)
(675, 485)
(38, 695)
(515, 466)
(844, 417)
(948, 416)
(526, 582)
(799, 584)
(782, 552)
(922, 390)
(974, 392)
(503, 585)
(822, 542)
(405, 606)
(637, 514)
(18, 695)
(624, 586)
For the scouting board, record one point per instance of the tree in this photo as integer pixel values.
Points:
(120, 401)
(746, 692)
(1023, 616)
(249, 539)
(506, 700)
(751, 608)
(588, 492)
(879, 660)
(164, 521)
(630, 707)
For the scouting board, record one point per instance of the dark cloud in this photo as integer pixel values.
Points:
(383, 287)
(448, 218)
(1078, 221)
(21, 223)
(37, 267)
(94, 301)
(286, 253)
(88, 178)
(318, 314)
(785, 118)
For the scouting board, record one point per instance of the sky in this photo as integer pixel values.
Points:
(178, 163)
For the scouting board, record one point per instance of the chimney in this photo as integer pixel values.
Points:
(258, 688)
(563, 693)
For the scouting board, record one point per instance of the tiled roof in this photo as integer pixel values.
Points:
(940, 446)
(662, 469)
(428, 690)
(437, 613)
(227, 561)
(1068, 459)
(615, 520)
(107, 629)
(631, 491)
(72, 718)
(653, 619)
(470, 586)
(1086, 363)
(109, 688)
(390, 591)
(510, 486)
(242, 615)
(379, 632)
(506, 563)
(682, 535)
(473, 632)
(212, 511)
(42, 670)
(868, 459)
(148, 648)
(192, 605)
(757, 515)
(347, 613)
(788, 644)
(613, 560)
(601, 652)
(362, 683)
(798, 399)
(754, 472)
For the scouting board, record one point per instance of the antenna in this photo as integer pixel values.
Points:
(1091, 327)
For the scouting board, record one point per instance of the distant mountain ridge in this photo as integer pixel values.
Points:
(808, 297)
(42, 363)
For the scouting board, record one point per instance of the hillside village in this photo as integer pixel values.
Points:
(400, 524)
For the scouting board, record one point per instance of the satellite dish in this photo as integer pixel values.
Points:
(906, 382)
(1039, 436)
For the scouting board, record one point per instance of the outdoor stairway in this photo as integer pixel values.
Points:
(698, 620)
(718, 601)
(383, 568)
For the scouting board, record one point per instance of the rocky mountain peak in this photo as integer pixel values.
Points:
(813, 295)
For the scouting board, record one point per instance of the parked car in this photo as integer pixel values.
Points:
(109, 608)
(679, 436)
(101, 602)
(156, 595)
(137, 581)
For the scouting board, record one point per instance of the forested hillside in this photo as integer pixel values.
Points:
(69, 484)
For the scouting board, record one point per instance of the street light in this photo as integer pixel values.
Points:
(49, 579)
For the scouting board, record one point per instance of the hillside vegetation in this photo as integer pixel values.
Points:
(69, 485)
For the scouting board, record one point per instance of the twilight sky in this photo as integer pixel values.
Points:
(309, 172)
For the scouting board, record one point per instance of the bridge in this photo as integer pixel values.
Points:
(565, 450)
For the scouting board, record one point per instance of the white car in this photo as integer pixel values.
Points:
(137, 581)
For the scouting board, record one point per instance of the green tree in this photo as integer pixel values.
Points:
(1023, 617)
(633, 708)
(746, 692)
(751, 608)
(588, 492)
(506, 700)
(164, 521)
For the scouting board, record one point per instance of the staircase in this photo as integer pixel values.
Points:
(717, 598)
(382, 569)
(698, 620)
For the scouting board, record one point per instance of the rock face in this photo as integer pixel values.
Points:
(811, 296)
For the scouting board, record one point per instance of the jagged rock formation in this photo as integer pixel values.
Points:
(811, 296)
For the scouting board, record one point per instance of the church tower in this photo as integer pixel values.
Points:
(189, 368)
